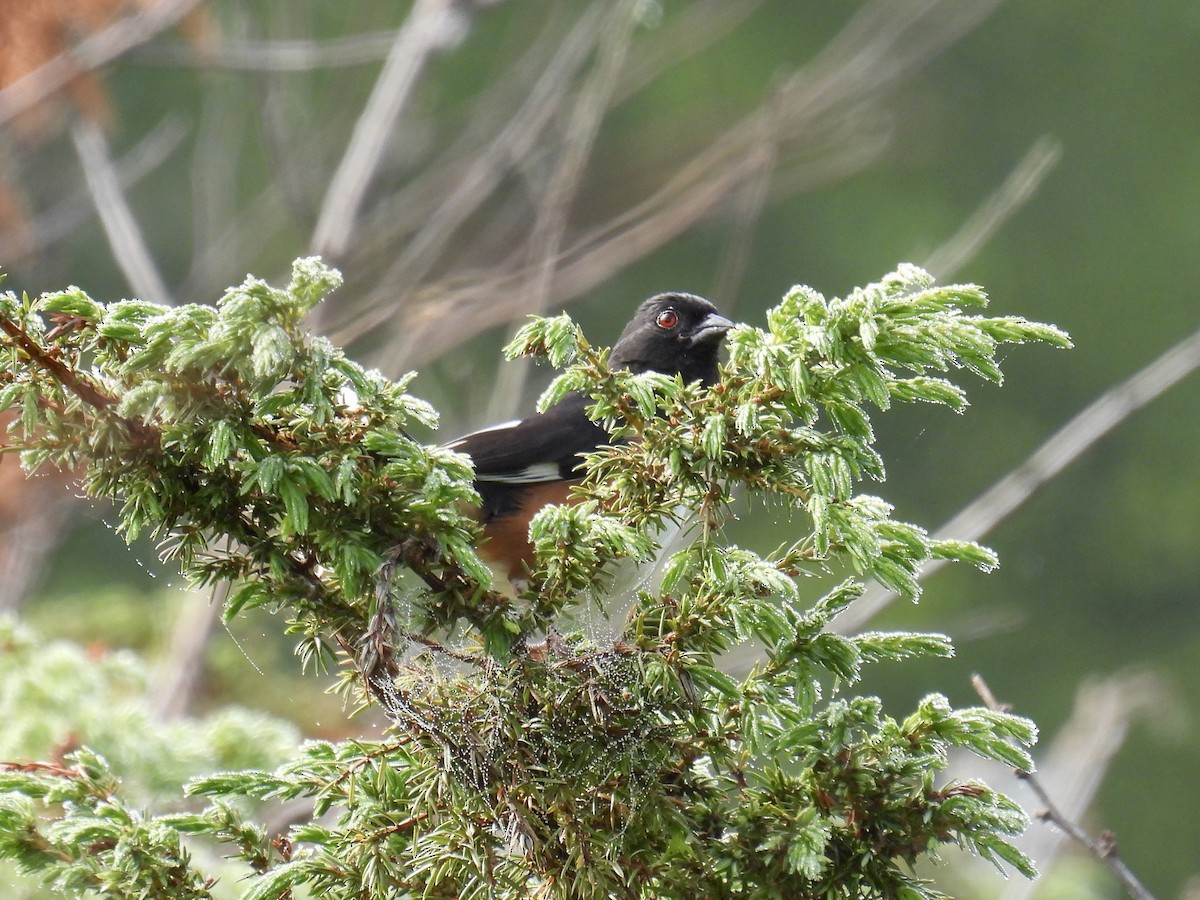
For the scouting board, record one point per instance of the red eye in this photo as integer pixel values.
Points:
(667, 319)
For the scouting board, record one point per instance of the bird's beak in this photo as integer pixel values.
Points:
(710, 330)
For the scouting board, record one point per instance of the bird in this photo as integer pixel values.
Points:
(525, 464)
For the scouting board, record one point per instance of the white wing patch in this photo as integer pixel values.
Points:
(537, 473)
(534, 474)
(501, 427)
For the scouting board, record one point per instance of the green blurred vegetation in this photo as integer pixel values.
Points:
(1100, 571)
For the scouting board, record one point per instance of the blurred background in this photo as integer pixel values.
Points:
(468, 163)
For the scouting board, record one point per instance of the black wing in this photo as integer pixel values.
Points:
(542, 447)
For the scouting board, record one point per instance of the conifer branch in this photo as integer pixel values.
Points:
(276, 464)
(1067, 444)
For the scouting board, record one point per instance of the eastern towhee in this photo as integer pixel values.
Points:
(525, 464)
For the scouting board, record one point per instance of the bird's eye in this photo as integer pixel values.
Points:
(667, 319)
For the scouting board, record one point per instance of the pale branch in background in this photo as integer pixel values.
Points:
(748, 203)
(899, 38)
(90, 53)
(431, 26)
(694, 193)
(181, 671)
(69, 213)
(805, 110)
(693, 29)
(555, 196)
(886, 41)
(29, 537)
(125, 237)
(546, 69)
(476, 180)
(220, 205)
(1022, 183)
(254, 224)
(241, 54)
(1103, 848)
(24, 549)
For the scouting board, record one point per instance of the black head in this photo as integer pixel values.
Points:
(673, 333)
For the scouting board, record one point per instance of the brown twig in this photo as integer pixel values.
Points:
(1103, 847)
(396, 828)
(439, 647)
(85, 391)
(57, 769)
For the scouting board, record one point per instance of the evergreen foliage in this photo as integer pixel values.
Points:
(259, 454)
(91, 708)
